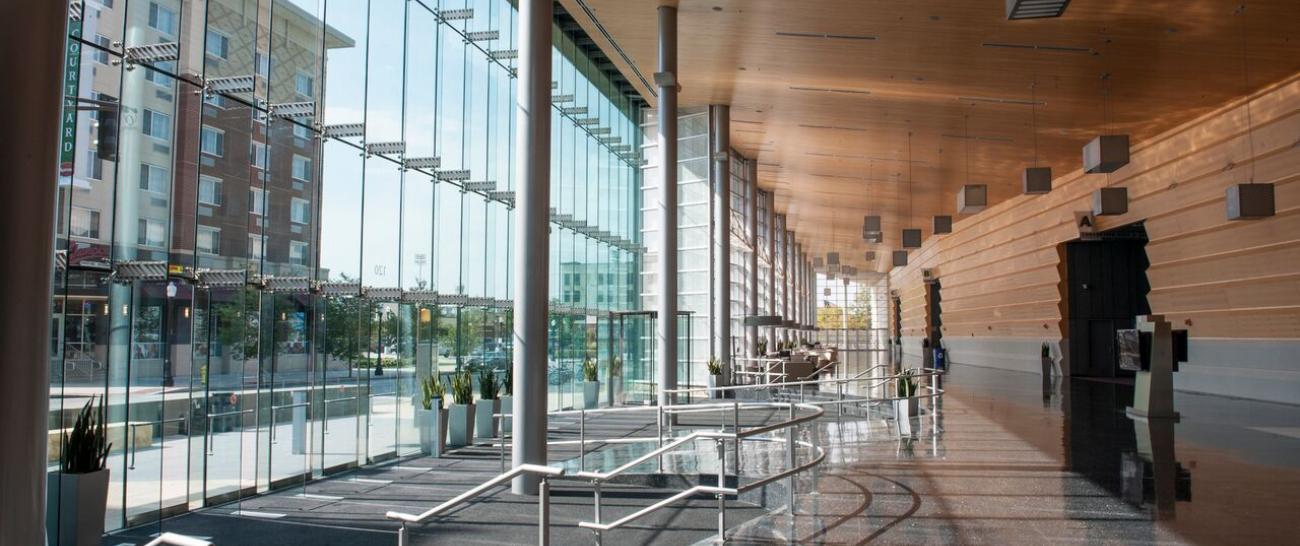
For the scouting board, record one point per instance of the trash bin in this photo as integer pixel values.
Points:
(940, 358)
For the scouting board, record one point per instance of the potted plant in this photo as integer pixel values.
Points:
(615, 387)
(488, 406)
(906, 403)
(590, 385)
(762, 347)
(1046, 357)
(460, 416)
(715, 377)
(507, 407)
(77, 494)
(783, 348)
(431, 418)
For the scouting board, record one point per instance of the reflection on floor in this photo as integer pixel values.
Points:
(1020, 462)
(1015, 461)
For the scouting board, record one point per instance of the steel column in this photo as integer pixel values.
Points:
(532, 231)
(666, 80)
(751, 172)
(721, 129)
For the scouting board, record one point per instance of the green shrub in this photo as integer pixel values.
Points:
(85, 447)
(462, 387)
(589, 371)
(907, 384)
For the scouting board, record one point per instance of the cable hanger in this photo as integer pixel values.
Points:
(1245, 69)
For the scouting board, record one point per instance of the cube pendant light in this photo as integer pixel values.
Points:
(900, 258)
(1110, 201)
(832, 258)
(1250, 201)
(1037, 180)
(942, 224)
(972, 198)
(870, 256)
(1105, 154)
(911, 238)
(817, 262)
(871, 224)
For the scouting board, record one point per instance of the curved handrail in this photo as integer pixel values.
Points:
(924, 372)
(476, 491)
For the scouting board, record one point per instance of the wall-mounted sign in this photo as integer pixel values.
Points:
(1086, 223)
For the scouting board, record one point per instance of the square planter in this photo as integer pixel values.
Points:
(460, 425)
(904, 411)
(615, 390)
(485, 418)
(75, 506)
(715, 381)
(432, 424)
(591, 394)
(507, 410)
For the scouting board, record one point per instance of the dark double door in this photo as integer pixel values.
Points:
(1107, 288)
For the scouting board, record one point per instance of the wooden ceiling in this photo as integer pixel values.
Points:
(824, 93)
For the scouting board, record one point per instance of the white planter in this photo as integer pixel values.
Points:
(507, 409)
(432, 424)
(460, 425)
(904, 411)
(485, 418)
(715, 381)
(615, 390)
(75, 505)
(591, 394)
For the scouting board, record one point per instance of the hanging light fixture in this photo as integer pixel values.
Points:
(1036, 180)
(1109, 152)
(1249, 201)
(911, 236)
(973, 197)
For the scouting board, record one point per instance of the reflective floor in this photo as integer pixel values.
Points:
(1018, 461)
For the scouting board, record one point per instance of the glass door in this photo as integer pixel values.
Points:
(339, 348)
(380, 359)
(289, 387)
(225, 409)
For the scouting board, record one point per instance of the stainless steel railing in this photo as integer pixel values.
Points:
(173, 539)
(543, 501)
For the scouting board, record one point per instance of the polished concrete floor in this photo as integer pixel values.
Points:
(1010, 459)
(1020, 461)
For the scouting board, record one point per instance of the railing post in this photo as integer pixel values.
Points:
(544, 512)
(789, 441)
(722, 499)
(660, 420)
(582, 440)
(401, 535)
(735, 429)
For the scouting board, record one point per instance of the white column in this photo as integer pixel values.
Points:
(751, 170)
(772, 265)
(532, 230)
(666, 79)
(33, 42)
(720, 127)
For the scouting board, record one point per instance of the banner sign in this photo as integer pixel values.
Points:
(71, 86)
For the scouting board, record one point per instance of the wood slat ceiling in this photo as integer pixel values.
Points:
(824, 93)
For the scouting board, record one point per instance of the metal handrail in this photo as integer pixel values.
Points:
(924, 372)
(543, 495)
(173, 539)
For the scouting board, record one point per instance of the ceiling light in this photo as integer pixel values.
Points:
(1035, 9)
(825, 36)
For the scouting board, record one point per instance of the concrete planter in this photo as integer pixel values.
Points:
(432, 424)
(904, 411)
(485, 418)
(460, 425)
(715, 381)
(75, 505)
(591, 394)
(507, 409)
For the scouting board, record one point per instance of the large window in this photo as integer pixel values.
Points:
(210, 190)
(156, 124)
(212, 141)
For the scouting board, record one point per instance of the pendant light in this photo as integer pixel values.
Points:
(973, 197)
(1107, 154)
(911, 236)
(1249, 201)
(1036, 180)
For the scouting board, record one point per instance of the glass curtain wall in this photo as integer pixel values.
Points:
(260, 220)
(851, 315)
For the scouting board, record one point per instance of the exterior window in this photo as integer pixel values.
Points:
(210, 190)
(158, 77)
(162, 19)
(301, 167)
(255, 246)
(257, 201)
(262, 64)
(208, 240)
(153, 178)
(257, 152)
(100, 55)
(217, 44)
(156, 124)
(84, 223)
(94, 167)
(301, 131)
(297, 253)
(212, 141)
(303, 84)
(300, 211)
(151, 233)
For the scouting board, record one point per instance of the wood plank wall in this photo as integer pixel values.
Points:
(1219, 279)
